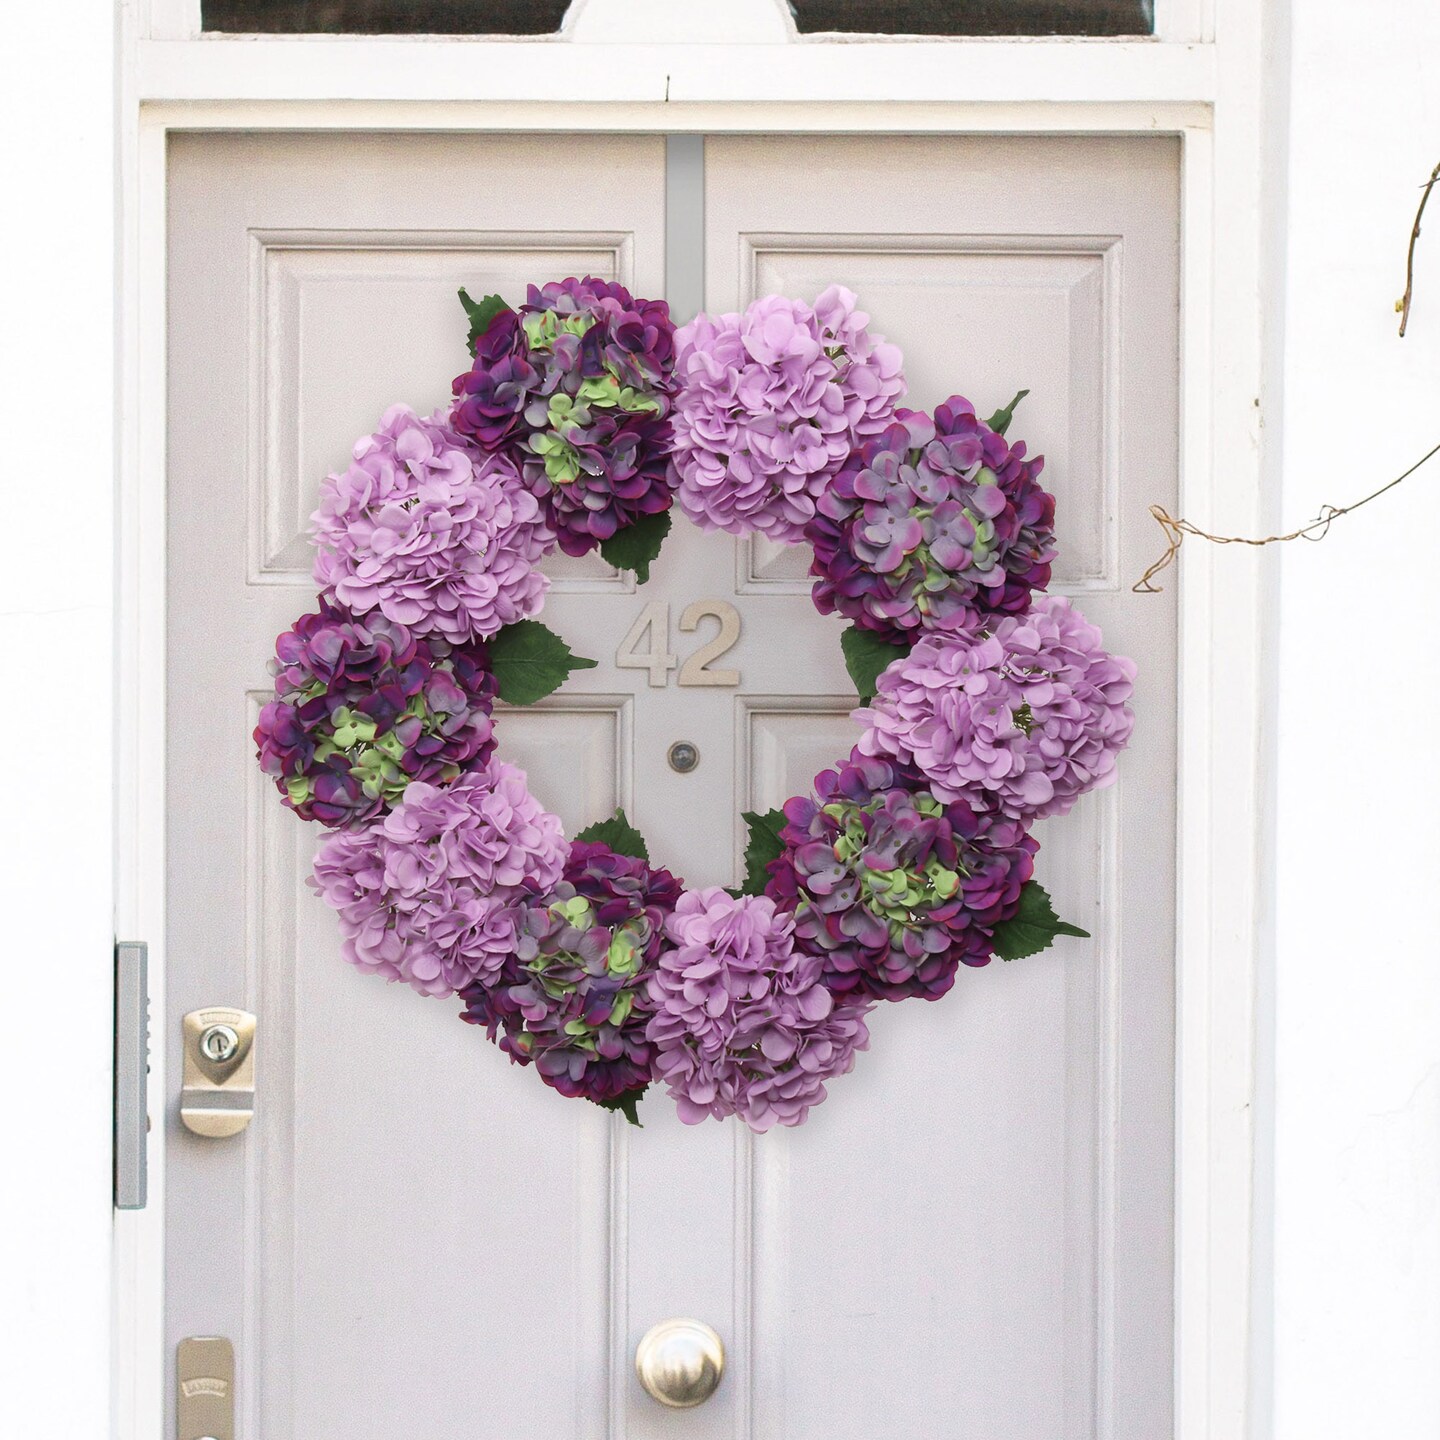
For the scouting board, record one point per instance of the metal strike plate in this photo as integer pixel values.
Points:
(132, 1068)
(217, 1096)
(205, 1389)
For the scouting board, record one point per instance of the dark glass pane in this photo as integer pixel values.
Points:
(978, 17)
(385, 17)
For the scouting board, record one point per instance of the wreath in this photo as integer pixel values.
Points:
(584, 420)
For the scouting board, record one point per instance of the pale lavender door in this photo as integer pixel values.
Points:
(416, 1240)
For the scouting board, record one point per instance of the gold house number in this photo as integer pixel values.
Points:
(656, 657)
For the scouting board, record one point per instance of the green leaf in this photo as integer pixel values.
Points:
(530, 661)
(866, 655)
(619, 834)
(634, 547)
(999, 422)
(765, 845)
(625, 1104)
(482, 314)
(1033, 927)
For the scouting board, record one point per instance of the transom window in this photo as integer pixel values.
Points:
(384, 17)
(544, 17)
(977, 17)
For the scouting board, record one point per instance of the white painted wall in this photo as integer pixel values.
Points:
(1357, 825)
(57, 254)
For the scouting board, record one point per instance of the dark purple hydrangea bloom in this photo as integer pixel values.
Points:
(491, 395)
(363, 707)
(574, 999)
(577, 387)
(893, 888)
(932, 525)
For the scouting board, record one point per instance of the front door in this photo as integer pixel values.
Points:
(415, 1240)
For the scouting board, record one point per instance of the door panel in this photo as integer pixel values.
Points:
(412, 1238)
(980, 1227)
(415, 1239)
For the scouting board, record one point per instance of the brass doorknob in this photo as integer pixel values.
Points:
(680, 1362)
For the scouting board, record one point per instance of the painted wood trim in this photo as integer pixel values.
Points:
(140, 1361)
(1184, 21)
(491, 71)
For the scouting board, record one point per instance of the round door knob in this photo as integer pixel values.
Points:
(680, 1362)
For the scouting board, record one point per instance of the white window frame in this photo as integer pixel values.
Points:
(1206, 91)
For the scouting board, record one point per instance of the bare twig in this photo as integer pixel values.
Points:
(1403, 303)
(1176, 530)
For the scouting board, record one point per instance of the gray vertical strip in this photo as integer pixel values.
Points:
(685, 225)
(132, 1066)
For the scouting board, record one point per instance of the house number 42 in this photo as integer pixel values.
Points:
(647, 646)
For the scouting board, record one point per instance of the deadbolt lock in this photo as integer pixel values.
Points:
(218, 1043)
(217, 1097)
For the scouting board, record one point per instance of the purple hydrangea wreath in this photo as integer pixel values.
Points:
(583, 419)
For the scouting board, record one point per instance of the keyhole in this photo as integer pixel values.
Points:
(219, 1044)
(683, 757)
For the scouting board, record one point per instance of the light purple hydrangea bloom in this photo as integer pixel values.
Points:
(932, 524)
(576, 387)
(430, 532)
(574, 998)
(770, 405)
(893, 888)
(1024, 718)
(743, 1025)
(428, 894)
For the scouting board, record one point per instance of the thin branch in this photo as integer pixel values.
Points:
(1176, 530)
(1403, 304)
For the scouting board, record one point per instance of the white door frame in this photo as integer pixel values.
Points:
(1208, 94)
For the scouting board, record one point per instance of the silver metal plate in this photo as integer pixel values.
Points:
(132, 1068)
